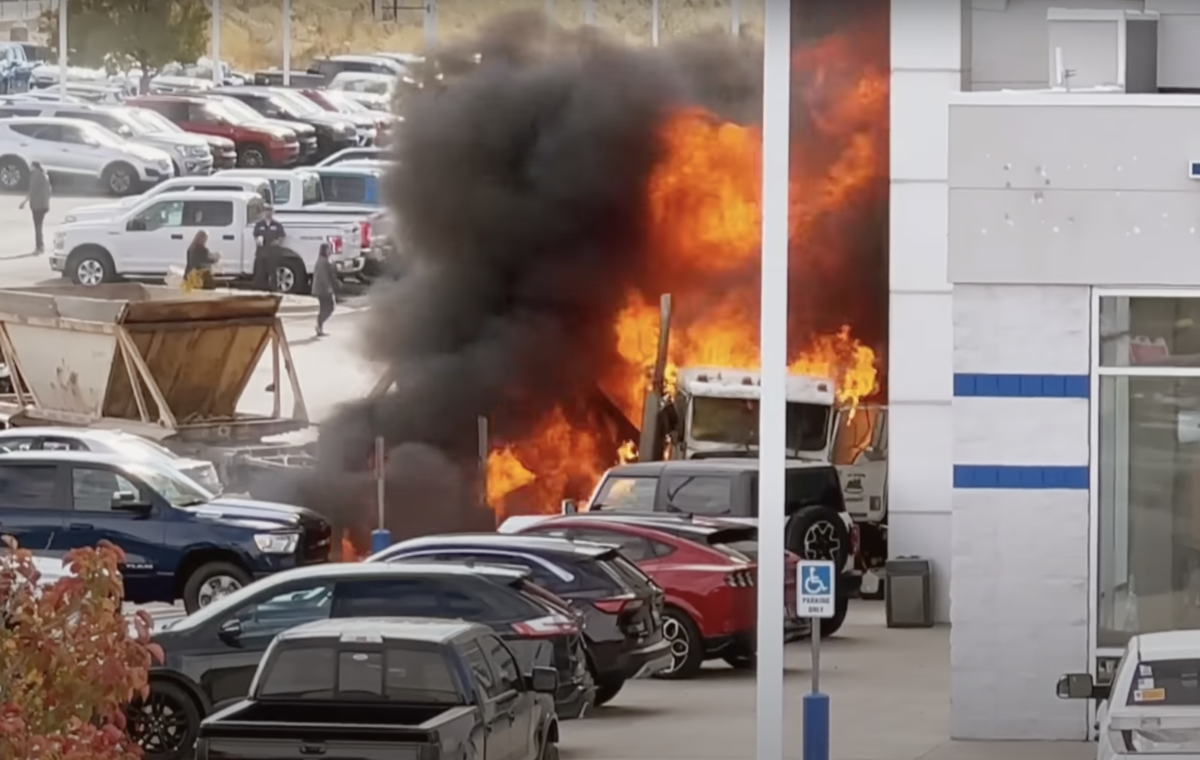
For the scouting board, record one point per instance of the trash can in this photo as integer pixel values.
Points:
(909, 592)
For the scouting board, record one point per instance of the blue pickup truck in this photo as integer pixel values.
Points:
(180, 540)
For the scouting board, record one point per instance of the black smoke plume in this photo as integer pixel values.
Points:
(523, 162)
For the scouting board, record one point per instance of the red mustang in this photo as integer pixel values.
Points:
(707, 569)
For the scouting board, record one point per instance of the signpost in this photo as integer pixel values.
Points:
(815, 581)
(381, 537)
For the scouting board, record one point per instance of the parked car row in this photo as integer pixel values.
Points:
(130, 143)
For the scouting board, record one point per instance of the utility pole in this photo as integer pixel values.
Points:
(589, 12)
(655, 21)
(287, 43)
(62, 49)
(216, 42)
(430, 24)
(735, 13)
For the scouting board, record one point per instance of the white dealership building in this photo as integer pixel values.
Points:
(1045, 337)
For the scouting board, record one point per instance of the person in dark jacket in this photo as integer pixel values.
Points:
(38, 201)
(324, 287)
(268, 234)
(200, 259)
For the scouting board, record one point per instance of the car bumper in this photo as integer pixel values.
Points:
(152, 175)
(308, 148)
(58, 262)
(284, 155)
(349, 267)
(196, 166)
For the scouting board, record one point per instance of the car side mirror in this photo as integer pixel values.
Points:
(128, 501)
(136, 225)
(1079, 686)
(230, 631)
(543, 680)
(570, 507)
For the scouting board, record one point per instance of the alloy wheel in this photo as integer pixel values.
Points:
(10, 176)
(160, 724)
(90, 272)
(217, 587)
(677, 638)
(120, 181)
(285, 280)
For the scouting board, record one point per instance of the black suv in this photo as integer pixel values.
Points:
(211, 656)
(818, 525)
(620, 606)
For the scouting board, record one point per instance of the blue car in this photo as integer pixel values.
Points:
(180, 540)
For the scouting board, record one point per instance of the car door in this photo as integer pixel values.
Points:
(216, 217)
(92, 519)
(40, 142)
(83, 152)
(153, 239)
(515, 702)
(239, 639)
(33, 505)
(497, 727)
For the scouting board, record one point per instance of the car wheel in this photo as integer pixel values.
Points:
(252, 157)
(686, 645)
(818, 533)
(120, 180)
(90, 266)
(165, 724)
(212, 581)
(607, 689)
(290, 277)
(14, 175)
(549, 751)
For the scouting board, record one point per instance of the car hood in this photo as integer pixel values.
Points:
(173, 139)
(259, 515)
(280, 130)
(147, 153)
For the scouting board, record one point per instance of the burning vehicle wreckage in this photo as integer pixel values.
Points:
(581, 226)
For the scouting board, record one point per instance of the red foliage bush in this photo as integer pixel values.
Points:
(70, 661)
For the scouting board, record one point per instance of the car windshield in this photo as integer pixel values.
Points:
(140, 448)
(345, 104)
(283, 105)
(734, 421)
(298, 102)
(178, 489)
(153, 121)
(236, 110)
(373, 86)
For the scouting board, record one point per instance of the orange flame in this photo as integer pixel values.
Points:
(349, 552)
(702, 243)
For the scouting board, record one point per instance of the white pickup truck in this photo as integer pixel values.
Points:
(292, 193)
(149, 239)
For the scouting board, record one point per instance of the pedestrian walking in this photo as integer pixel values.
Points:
(324, 287)
(38, 201)
(200, 262)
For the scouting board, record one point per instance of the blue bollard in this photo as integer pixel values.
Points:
(816, 726)
(380, 540)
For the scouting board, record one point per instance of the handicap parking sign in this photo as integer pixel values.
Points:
(814, 589)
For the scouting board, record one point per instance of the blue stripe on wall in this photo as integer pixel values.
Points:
(1024, 478)
(1021, 386)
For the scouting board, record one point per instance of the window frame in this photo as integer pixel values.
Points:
(1096, 372)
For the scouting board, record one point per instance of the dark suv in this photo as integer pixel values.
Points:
(818, 525)
(180, 541)
(619, 604)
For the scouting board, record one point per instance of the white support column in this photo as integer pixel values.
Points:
(773, 329)
(589, 12)
(927, 56)
(655, 21)
(431, 25)
(287, 43)
(62, 49)
(735, 17)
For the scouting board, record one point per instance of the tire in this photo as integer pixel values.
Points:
(740, 660)
(210, 582)
(818, 533)
(166, 724)
(687, 646)
(830, 626)
(549, 751)
(90, 265)
(121, 179)
(14, 174)
(291, 277)
(253, 156)
(607, 689)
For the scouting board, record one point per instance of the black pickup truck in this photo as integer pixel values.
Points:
(388, 688)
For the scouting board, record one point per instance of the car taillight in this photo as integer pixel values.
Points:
(364, 235)
(546, 627)
(337, 244)
(740, 579)
(617, 604)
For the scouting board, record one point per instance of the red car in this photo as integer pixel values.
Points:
(259, 143)
(707, 569)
